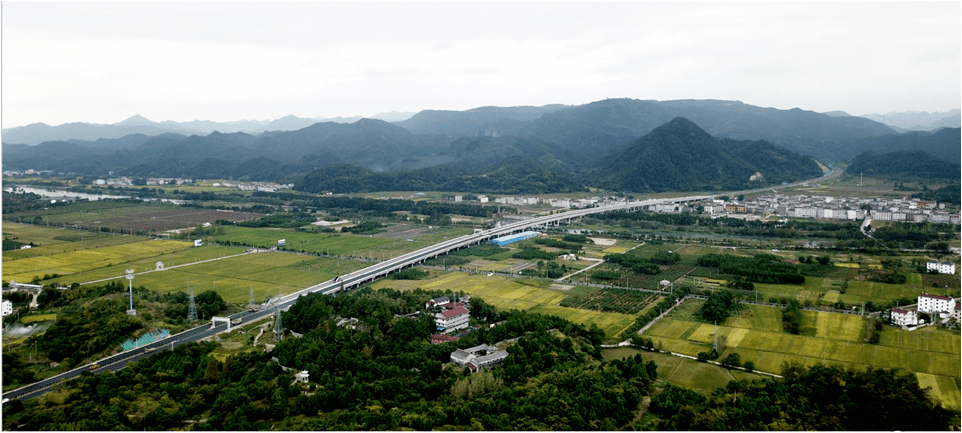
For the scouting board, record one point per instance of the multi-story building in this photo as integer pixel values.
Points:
(453, 319)
(935, 304)
(940, 267)
(902, 317)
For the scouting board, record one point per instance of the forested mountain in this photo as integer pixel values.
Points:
(904, 163)
(680, 156)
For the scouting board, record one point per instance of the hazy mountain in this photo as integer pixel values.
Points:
(904, 163)
(681, 156)
(942, 144)
(39, 132)
(394, 116)
(474, 122)
(919, 120)
(592, 130)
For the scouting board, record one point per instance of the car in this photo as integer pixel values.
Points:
(94, 366)
(149, 349)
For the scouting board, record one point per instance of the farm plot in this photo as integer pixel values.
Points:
(323, 243)
(684, 372)
(141, 217)
(835, 339)
(169, 259)
(613, 300)
(270, 275)
(77, 261)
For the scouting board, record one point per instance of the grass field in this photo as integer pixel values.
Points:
(508, 294)
(828, 338)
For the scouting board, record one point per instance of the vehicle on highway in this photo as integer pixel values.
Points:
(94, 366)
(149, 349)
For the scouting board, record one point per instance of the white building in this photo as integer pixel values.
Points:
(940, 267)
(7, 308)
(935, 304)
(902, 317)
(453, 319)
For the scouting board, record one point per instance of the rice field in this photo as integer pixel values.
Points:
(828, 338)
(270, 275)
(73, 262)
(685, 372)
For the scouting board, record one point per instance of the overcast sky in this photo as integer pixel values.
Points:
(221, 61)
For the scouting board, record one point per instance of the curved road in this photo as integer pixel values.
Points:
(352, 280)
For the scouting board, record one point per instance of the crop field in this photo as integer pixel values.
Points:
(169, 259)
(613, 300)
(685, 372)
(34, 318)
(827, 338)
(333, 244)
(69, 263)
(270, 274)
(508, 294)
(136, 217)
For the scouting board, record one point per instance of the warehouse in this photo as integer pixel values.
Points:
(504, 240)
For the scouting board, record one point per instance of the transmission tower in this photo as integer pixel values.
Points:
(278, 327)
(192, 312)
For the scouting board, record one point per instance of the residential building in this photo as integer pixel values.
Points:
(940, 267)
(7, 308)
(902, 317)
(453, 319)
(935, 304)
(437, 301)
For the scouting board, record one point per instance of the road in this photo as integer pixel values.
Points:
(353, 280)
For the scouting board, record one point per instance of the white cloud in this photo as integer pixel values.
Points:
(102, 62)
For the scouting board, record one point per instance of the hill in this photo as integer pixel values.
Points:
(681, 156)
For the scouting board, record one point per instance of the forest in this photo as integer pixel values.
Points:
(383, 374)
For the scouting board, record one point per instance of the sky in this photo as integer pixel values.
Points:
(102, 62)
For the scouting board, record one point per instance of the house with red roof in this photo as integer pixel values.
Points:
(453, 319)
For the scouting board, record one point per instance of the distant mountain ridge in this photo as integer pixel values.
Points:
(37, 133)
(542, 149)
(919, 120)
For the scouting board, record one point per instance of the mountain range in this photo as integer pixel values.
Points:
(36, 133)
(552, 147)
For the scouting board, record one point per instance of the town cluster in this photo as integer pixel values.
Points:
(255, 186)
(828, 207)
(125, 181)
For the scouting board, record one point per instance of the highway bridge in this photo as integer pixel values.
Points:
(347, 282)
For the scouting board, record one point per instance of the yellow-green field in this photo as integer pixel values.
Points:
(508, 294)
(685, 372)
(827, 338)
(68, 263)
(37, 318)
(270, 274)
